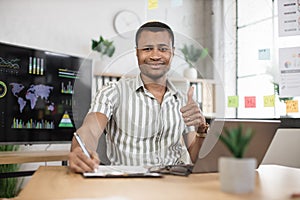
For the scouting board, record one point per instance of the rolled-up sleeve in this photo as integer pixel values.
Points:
(105, 100)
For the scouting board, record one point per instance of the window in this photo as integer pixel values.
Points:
(257, 59)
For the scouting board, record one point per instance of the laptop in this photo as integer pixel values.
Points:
(212, 148)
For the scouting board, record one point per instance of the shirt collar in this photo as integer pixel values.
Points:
(139, 83)
(170, 86)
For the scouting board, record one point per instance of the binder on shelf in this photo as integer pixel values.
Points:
(198, 88)
(99, 82)
(106, 80)
(208, 96)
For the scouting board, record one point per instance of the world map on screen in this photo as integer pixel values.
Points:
(33, 93)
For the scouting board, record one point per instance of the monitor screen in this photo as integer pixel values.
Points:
(44, 95)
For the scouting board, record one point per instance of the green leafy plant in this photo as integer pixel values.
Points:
(236, 141)
(193, 54)
(276, 92)
(103, 46)
(9, 187)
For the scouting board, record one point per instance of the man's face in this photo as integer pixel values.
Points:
(154, 53)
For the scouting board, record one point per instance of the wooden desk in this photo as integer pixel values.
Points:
(14, 157)
(56, 182)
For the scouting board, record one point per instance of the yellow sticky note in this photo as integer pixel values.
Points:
(269, 101)
(291, 106)
(233, 101)
(152, 4)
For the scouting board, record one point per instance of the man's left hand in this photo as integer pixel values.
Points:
(191, 112)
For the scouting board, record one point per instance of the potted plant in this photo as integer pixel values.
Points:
(280, 102)
(237, 173)
(9, 187)
(103, 46)
(276, 92)
(192, 55)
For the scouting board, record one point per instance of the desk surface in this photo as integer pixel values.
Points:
(56, 182)
(32, 156)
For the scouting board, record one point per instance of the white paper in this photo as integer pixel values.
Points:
(288, 17)
(289, 64)
(120, 170)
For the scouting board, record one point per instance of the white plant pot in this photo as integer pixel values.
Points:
(237, 175)
(190, 73)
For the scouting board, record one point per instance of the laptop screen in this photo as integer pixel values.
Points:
(212, 149)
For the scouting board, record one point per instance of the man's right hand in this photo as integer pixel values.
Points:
(79, 162)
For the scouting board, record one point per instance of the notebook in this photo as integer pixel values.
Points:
(110, 171)
(212, 148)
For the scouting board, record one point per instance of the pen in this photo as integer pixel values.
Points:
(81, 144)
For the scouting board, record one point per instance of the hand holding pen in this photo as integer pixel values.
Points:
(80, 158)
(81, 144)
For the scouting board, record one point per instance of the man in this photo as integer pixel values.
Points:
(147, 121)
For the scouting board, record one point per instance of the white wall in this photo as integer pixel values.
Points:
(67, 26)
(61, 25)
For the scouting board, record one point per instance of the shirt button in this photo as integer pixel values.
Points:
(156, 160)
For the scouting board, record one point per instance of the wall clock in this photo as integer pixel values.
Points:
(125, 21)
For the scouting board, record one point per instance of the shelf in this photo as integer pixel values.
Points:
(15, 157)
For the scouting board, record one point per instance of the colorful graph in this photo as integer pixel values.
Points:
(66, 121)
(3, 89)
(68, 89)
(65, 73)
(36, 66)
(32, 124)
(9, 66)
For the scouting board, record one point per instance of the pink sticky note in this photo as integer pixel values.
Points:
(250, 102)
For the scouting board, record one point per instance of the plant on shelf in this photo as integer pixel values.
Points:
(103, 46)
(192, 55)
(276, 92)
(10, 187)
(237, 173)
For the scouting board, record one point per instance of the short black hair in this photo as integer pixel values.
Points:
(154, 26)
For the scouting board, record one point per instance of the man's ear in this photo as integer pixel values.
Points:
(136, 51)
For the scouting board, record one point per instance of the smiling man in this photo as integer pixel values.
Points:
(146, 120)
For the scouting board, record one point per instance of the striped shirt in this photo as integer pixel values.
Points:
(140, 131)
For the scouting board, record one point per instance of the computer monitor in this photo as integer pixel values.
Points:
(44, 95)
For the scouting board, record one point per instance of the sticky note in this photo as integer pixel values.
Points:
(291, 106)
(152, 4)
(269, 101)
(250, 102)
(176, 3)
(264, 54)
(233, 101)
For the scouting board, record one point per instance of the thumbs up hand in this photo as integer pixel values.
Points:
(191, 112)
